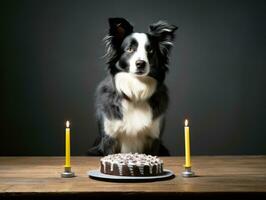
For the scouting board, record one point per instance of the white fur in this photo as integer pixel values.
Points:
(137, 124)
(167, 30)
(137, 116)
(140, 53)
(136, 88)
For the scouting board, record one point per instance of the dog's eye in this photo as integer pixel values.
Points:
(130, 49)
(150, 51)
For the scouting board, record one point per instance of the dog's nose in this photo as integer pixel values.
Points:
(141, 64)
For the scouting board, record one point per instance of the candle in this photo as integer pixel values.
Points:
(67, 172)
(187, 145)
(67, 148)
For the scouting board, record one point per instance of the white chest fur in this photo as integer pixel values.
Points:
(137, 124)
(136, 88)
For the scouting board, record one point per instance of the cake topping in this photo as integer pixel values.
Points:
(134, 159)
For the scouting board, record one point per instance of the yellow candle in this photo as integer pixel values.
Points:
(187, 145)
(67, 148)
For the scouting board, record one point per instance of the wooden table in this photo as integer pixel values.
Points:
(218, 176)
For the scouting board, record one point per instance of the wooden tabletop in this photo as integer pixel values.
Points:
(26, 176)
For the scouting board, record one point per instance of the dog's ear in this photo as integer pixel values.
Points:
(165, 34)
(119, 29)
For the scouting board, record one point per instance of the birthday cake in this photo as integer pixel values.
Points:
(128, 164)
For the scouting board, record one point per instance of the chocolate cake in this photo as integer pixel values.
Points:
(128, 164)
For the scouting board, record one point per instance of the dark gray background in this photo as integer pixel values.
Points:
(51, 64)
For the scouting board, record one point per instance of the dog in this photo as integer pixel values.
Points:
(132, 100)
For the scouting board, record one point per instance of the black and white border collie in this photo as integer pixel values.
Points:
(132, 100)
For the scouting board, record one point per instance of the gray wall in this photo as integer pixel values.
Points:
(51, 64)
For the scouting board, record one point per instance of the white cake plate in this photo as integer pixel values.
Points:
(96, 174)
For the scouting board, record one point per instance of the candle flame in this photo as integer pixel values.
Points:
(67, 124)
(186, 122)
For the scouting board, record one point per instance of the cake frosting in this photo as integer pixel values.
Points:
(128, 164)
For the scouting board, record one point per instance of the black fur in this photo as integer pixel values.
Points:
(108, 100)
